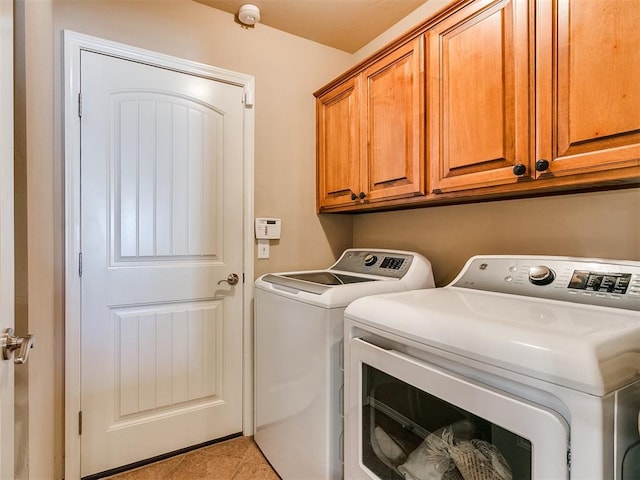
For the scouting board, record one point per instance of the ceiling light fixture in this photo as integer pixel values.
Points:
(249, 14)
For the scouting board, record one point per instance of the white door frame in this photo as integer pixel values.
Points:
(74, 43)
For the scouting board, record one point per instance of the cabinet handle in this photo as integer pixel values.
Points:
(542, 165)
(353, 196)
(519, 169)
(362, 195)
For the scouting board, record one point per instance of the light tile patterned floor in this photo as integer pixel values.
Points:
(235, 459)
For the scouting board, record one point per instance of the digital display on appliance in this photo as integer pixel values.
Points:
(392, 263)
(600, 282)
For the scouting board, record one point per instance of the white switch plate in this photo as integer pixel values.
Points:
(263, 249)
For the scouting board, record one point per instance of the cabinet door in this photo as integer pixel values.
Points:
(392, 119)
(478, 96)
(338, 144)
(588, 85)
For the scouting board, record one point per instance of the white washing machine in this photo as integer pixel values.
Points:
(298, 354)
(522, 368)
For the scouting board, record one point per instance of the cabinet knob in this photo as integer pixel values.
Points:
(519, 169)
(362, 195)
(542, 165)
(353, 196)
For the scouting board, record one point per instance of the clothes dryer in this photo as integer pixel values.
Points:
(524, 367)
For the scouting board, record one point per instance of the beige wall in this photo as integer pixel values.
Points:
(287, 70)
(601, 225)
(427, 10)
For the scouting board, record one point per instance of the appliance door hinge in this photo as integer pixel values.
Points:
(80, 264)
(80, 422)
(80, 104)
(569, 457)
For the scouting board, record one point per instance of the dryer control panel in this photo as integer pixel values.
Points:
(609, 283)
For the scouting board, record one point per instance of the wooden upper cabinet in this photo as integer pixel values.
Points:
(370, 142)
(392, 124)
(588, 86)
(478, 96)
(487, 99)
(338, 144)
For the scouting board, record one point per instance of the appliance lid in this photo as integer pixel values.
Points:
(592, 349)
(316, 282)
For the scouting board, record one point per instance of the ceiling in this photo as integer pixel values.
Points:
(347, 25)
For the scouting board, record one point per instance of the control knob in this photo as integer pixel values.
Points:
(370, 260)
(541, 275)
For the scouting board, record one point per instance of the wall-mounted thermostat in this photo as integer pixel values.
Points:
(267, 229)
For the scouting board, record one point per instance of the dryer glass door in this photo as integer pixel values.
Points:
(411, 420)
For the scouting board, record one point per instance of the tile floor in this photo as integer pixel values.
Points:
(235, 459)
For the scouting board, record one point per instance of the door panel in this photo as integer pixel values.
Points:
(338, 144)
(154, 346)
(392, 124)
(587, 85)
(161, 222)
(160, 149)
(477, 137)
(478, 95)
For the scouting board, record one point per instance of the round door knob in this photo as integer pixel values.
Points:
(542, 165)
(362, 195)
(541, 275)
(353, 196)
(519, 169)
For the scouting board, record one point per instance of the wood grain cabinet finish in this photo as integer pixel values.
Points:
(558, 103)
(370, 143)
(588, 88)
(487, 99)
(478, 96)
(338, 144)
(392, 124)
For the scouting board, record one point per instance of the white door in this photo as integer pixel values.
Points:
(161, 216)
(6, 232)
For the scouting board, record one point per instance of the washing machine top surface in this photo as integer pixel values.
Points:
(326, 277)
(572, 322)
(357, 272)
